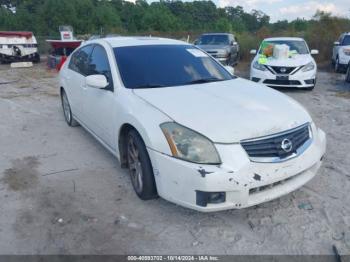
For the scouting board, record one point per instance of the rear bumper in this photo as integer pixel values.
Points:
(243, 182)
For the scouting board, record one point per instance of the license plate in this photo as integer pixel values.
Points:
(282, 78)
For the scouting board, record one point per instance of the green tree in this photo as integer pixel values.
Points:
(223, 25)
(159, 18)
(106, 18)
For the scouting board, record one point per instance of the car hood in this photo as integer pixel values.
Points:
(214, 47)
(345, 47)
(227, 111)
(294, 61)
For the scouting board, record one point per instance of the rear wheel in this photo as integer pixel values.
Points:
(67, 110)
(140, 167)
(36, 58)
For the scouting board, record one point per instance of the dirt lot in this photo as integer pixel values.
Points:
(62, 193)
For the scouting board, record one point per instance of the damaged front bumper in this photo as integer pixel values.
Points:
(237, 182)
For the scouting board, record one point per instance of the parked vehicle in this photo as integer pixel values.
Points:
(18, 47)
(187, 129)
(341, 53)
(296, 69)
(61, 49)
(223, 47)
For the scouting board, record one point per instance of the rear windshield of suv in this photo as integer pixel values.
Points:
(153, 66)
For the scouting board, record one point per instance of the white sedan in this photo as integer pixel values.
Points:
(187, 129)
(298, 70)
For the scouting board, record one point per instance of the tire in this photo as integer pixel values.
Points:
(36, 58)
(347, 76)
(140, 167)
(67, 112)
(237, 59)
(229, 60)
(337, 66)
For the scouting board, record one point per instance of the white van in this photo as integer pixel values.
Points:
(18, 46)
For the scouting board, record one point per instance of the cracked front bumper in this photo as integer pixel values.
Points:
(245, 183)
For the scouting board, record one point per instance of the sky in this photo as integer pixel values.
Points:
(290, 9)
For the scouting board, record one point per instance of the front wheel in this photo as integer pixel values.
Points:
(140, 167)
(347, 77)
(67, 110)
(337, 66)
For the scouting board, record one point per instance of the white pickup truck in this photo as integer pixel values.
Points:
(341, 53)
(18, 46)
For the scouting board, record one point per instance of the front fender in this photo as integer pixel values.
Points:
(146, 119)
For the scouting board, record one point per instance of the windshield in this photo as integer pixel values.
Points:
(151, 66)
(346, 40)
(295, 46)
(213, 40)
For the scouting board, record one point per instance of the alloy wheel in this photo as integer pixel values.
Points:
(135, 166)
(66, 107)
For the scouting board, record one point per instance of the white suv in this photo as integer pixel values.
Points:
(341, 53)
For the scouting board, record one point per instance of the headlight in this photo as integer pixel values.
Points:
(308, 67)
(222, 54)
(259, 66)
(346, 51)
(188, 145)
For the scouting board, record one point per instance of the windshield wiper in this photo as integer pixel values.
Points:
(149, 86)
(204, 80)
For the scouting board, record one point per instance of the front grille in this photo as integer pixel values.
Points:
(282, 82)
(283, 70)
(278, 146)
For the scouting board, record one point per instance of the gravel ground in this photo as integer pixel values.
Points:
(63, 193)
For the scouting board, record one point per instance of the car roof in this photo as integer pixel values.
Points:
(284, 39)
(122, 41)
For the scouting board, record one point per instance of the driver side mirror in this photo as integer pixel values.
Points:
(314, 52)
(97, 81)
(196, 42)
(336, 43)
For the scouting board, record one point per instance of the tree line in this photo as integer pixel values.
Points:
(172, 18)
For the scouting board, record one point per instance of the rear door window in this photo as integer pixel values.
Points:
(80, 59)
